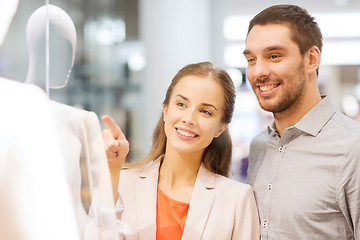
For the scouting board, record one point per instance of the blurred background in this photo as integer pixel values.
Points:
(129, 50)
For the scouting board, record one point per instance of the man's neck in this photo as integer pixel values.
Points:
(294, 114)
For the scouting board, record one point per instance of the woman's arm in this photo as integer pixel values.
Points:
(247, 223)
(117, 148)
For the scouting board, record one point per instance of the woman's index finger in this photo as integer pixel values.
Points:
(114, 129)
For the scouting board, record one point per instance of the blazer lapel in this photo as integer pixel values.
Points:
(200, 204)
(146, 194)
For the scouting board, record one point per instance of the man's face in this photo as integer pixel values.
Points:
(276, 68)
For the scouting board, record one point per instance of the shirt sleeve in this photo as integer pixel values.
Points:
(105, 222)
(349, 189)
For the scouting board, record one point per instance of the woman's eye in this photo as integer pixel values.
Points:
(180, 104)
(206, 112)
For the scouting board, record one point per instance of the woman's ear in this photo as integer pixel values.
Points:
(313, 57)
(164, 111)
(222, 128)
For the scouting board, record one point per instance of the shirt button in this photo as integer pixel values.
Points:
(264, 224)
(281, 148)
(269, 186)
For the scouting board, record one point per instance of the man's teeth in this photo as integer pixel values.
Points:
(186, 134)
(266, 88)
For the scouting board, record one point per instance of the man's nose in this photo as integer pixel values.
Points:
(261, 69)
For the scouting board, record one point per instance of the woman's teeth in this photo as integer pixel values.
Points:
(185, 134)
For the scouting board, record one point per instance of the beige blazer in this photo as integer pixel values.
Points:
(220, 208)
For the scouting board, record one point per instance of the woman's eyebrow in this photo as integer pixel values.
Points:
(209, 105)
(183, 97)
(204, 104)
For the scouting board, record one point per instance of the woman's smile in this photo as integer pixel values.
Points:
(186, 134)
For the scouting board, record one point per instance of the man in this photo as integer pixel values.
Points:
(305, 168)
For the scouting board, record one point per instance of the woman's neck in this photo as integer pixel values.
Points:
(177, 175)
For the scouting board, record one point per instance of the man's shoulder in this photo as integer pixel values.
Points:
(344, 126)
(261, 137)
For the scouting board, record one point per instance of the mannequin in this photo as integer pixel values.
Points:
(61, 47)
(50, 64)
(27, 202)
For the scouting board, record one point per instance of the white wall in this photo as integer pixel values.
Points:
(174, 33)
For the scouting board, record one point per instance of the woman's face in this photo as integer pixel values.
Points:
(193, 116)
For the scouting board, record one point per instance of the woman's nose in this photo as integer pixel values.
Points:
(189, 117)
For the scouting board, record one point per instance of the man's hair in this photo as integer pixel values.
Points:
(304, 30)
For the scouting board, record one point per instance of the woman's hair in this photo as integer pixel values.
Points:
(216, 156)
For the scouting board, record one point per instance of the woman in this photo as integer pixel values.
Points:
(185, 192)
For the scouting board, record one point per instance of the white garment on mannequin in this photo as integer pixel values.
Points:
(81, 141)
(32, 180)
(80, 132)
(7, 10)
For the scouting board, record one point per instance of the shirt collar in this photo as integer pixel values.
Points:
(314, 120)
(272, 128)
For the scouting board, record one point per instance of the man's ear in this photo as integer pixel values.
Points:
(313, 57)
(222, 128)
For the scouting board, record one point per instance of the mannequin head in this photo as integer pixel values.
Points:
(61, 45)
(7, 11)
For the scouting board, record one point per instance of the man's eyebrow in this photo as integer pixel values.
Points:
(268, 49)
(246, 51)
(274, 48)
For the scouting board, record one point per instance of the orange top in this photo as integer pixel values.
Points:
(170, 217)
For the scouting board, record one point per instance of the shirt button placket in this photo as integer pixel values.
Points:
(264, 224)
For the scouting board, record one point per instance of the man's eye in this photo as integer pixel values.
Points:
(274, 56)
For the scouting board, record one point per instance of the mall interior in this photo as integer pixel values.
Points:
(127, 52)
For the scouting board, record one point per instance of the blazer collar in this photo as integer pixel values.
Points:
(146, 192)
(200, 204)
